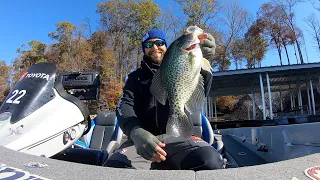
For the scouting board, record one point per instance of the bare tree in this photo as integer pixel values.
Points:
(86, 26)
(235, 21)
(315, 4)
(237, 52)
(313, 23)
(275, 30)
(287, 7)
(170, 24)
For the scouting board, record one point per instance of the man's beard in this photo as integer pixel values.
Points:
(155, 58)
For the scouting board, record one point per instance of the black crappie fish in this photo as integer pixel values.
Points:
(179, 81)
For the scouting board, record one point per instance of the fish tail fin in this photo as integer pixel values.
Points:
(179, 125)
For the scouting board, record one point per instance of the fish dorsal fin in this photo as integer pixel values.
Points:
(157, 89)
(206, 65)
(196, 100)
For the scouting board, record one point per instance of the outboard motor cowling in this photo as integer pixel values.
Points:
(38, 117)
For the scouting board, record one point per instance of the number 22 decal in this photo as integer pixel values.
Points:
(15, 93)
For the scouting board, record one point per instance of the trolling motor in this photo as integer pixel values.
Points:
(40, 117)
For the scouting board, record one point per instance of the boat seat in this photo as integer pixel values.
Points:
(300, 120)
(105, 133)
(197, 123)
(203, 129)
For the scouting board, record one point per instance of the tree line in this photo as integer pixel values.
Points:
(114, 49)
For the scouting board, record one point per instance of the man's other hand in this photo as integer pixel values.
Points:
(208, 45)
(147, 145)
(160, 155)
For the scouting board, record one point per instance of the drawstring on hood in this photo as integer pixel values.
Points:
(149, 65)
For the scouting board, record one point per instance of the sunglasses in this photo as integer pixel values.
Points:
(158, 43)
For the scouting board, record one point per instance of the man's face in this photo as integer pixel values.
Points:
(155, 49)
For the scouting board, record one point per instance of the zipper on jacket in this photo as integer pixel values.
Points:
(155, 102)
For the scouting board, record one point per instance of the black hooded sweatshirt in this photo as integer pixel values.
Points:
(138, 107)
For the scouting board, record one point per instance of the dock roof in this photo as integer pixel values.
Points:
(282, 78)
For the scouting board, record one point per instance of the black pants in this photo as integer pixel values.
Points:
(182, 154)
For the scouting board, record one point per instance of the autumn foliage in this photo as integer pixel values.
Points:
(4, 84)
(114, 49)
(226, 103)
(113, 93)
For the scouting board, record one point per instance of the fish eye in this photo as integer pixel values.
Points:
(191, 29)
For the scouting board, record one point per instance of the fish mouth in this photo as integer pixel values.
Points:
(193, 46)
(192, 41)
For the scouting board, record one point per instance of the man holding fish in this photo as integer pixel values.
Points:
(152, 111)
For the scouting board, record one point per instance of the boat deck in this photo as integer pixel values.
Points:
(241, 156)
(56, 169)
